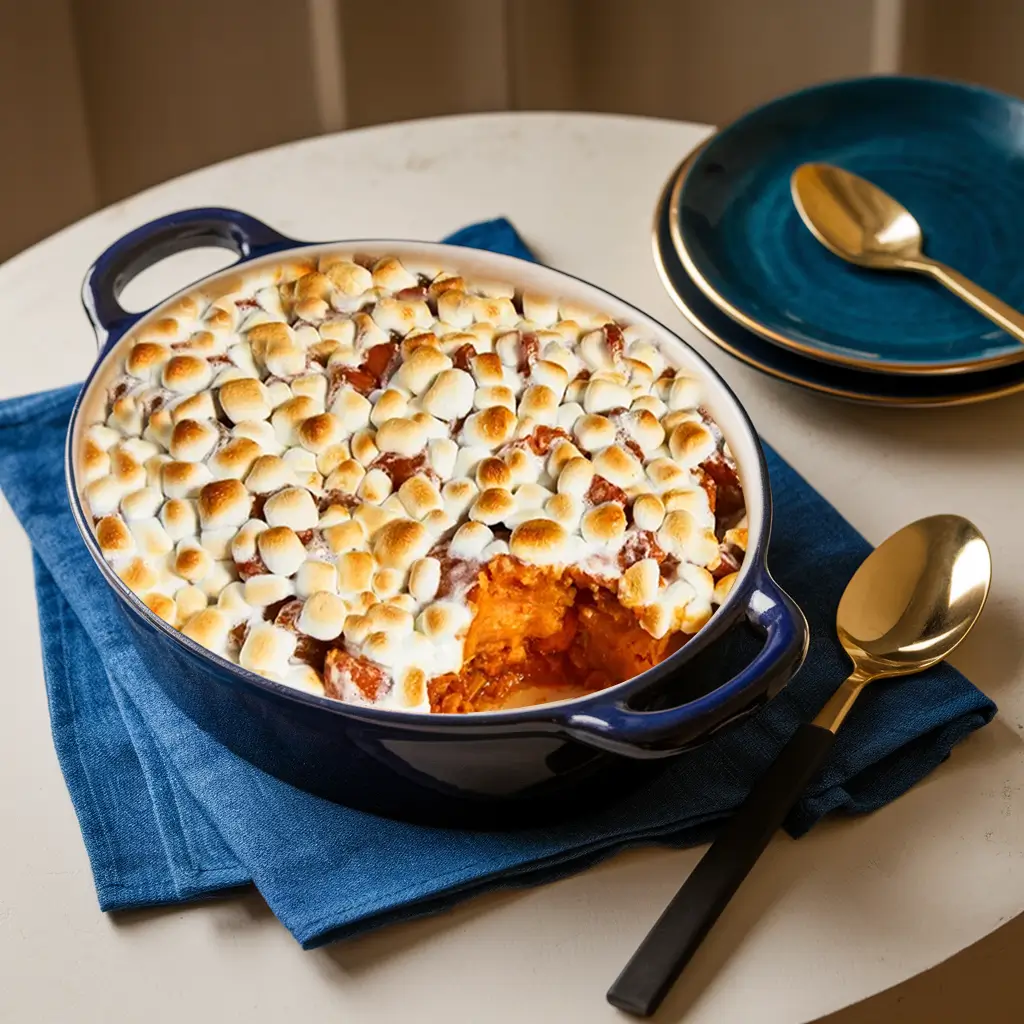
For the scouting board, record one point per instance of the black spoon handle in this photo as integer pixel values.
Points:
(669, 945)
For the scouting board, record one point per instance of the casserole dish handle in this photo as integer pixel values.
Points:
(652, 734)
(134, 252)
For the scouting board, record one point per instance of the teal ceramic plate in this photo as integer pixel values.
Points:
(952, 154)
(826, 378)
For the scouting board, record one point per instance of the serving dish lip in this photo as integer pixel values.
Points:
(1008, 354)
(540, 717)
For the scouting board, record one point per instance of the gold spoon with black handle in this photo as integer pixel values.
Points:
(912, 600)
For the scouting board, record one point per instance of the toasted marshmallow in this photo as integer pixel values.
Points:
(163, 606)
(683, 393)
(496, 394)
(192, 441)
(424, 579)
(210, 628)
(421, 369)
(693, 500)
(540, 309)
(493, 472)
(115, 539)
(390, 405)
(450, 395)
(375, 487)
(314, 577)
(146, 358)
(603, 396)
(594, 432)
(400, 543)
(470, 540)
(682, 536)
(691, 443)
(638, 585)
(281, 550)
(192, 561)
(565, 509)
(138, 576)
(224, 503)
(442, 453)
(235, 459)
(604, 526)
(540, 542)
(267, 649)
(184, 479)
(261, 591)
(492, 506)
(419, 496)
(723, 588)
(539, 403)
(349, 278)
(576, 477)
(443, 620)
(126, 469)
(319, 432)
(126, 416)
(355, 572)
(289, 417)
(374, 518)
(190, 600)
(323, 616)
(245, 399)
(489, 428)
(179, 518)
(619, 466)
(293, 507)
(643, 427)
(403, 436)
(352, 409)
(457, 496)
(141, 504)
(185, 375)
(648, 512)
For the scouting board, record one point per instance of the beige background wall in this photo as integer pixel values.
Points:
(100, 98)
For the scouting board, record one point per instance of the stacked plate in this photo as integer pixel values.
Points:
(740, 264)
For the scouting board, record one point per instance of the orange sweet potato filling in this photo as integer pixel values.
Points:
(540, 635)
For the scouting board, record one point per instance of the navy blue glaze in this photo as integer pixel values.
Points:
(490, 770)
(952, 154)
(844, 382)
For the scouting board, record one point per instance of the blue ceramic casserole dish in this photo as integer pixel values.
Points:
(486, 769)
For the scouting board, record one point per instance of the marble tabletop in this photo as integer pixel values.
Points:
(855, 907)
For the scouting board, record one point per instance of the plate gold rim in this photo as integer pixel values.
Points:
(835, 359)
(860, 397)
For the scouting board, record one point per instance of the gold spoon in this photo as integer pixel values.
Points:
(864, 225)
(912, 600)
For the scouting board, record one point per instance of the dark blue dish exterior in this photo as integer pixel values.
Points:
(490, 770)
(952, 154)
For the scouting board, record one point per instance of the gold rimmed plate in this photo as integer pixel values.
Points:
(949, 152)
(825, 378)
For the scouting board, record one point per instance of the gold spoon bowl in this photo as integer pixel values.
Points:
(864, 225)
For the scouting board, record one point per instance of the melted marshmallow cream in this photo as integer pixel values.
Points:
(321, 470)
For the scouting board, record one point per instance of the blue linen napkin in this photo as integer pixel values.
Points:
(167, 814)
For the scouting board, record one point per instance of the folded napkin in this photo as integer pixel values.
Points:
(168, 814)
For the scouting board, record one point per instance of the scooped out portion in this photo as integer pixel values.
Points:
(540, 635)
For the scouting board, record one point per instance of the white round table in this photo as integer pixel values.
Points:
(855, 907)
